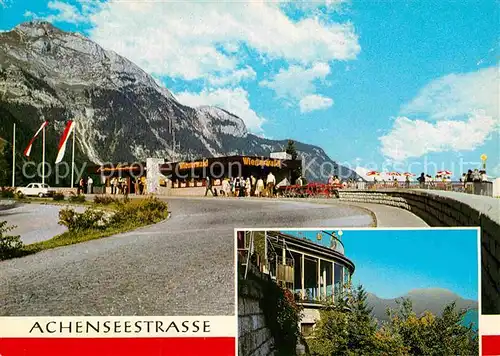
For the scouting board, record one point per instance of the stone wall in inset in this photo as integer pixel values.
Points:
(254, 338)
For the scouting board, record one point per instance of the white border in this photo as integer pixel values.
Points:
(490, 322)
(235, 269)
(82, 327)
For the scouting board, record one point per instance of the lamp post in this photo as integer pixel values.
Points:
(483, 159)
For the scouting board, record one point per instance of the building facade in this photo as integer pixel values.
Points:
(313, 272)
(189, 177)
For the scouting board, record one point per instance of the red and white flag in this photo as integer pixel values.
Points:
(64, 139)
(27, 151)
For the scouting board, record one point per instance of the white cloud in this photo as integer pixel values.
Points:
(234, 100)
(415, 138)
(231, 47)
(314, 102)
(458, 112)
(184, 39)
(233, 77)
(64, 13)
(297, 81)
(458, 94)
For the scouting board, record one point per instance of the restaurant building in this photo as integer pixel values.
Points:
(313, 272)
(189, 177)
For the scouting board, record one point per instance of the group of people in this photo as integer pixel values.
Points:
(118, 185)
(140, 186)
(334, 180)
(474, 176)
(85, 186)
(243, 187)
(427, 179)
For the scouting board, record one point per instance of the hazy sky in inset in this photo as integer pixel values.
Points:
(389, 263)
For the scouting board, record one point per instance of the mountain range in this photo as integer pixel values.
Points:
(429, 299)
(121, 113)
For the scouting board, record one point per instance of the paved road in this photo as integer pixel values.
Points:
(183, 266)
(34, 222)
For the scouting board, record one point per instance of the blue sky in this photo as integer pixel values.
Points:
(387, 85)
(390, 263)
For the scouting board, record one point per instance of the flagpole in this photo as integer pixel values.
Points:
(43, 156)
(73, 155)
(14, 157)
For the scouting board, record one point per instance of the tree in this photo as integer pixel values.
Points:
(291, 150)
(430, 334)
(5, 167)
(347, 327)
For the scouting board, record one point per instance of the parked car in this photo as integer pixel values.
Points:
(36, 189)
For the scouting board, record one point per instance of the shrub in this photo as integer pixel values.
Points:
(7, 192)
(140, 212)
(91, 219)
(104, 200)
(80, 198)
(10, 246)
(20, 196)
(58, 196)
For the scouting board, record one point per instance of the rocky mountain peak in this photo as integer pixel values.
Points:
(228, 123)
(36, 28)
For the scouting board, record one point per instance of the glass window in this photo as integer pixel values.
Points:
(306, 329)
(338, 280)
(346, 276)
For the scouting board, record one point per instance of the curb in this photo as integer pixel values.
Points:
(9, 206)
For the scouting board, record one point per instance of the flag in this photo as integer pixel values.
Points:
(64, 139)
(27, 151)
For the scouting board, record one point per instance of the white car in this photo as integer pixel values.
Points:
(36, 189)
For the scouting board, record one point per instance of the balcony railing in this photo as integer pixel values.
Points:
(477, 188)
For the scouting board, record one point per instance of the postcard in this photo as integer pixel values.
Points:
(137, 135)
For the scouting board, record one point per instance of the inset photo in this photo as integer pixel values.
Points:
(358, 291)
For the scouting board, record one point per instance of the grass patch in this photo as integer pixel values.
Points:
(98, 222)
(47, 201)
(71, 238)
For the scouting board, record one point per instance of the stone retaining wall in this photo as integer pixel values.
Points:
(254, 338)
(452, 210)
